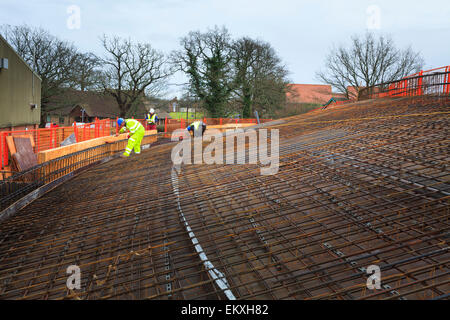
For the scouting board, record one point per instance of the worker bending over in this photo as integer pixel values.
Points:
(136, 133)
(198, 128)
(151, 119)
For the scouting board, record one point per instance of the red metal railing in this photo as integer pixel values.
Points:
(430, 82)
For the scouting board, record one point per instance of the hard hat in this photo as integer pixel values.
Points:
(120, 121)
(152, 110)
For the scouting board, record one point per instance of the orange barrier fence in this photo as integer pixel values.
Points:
(96, 129)
(49, 138)
(173, 124)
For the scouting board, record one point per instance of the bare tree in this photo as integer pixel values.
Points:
(87, 72)
(260, 77)
(367, 62)
(131, 71)
(205, 59)
(51, 58)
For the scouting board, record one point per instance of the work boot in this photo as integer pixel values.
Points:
(123, 156)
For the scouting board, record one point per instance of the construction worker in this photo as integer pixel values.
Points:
(136, 133)
(151, 119)
(195, 127)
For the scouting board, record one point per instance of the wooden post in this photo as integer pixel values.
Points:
(165, 125)
(220, 121)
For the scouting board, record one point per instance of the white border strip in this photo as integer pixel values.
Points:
(218, 276)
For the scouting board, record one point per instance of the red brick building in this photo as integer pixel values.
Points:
(316, 93)
(309, 93)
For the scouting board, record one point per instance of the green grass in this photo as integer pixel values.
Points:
(183, 115)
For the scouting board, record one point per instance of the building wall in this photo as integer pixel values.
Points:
(20, 128)
(309, 93)
(19, 88)
(53, 118)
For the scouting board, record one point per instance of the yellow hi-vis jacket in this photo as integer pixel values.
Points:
(196, 124)
(133, 126)
(151, 119)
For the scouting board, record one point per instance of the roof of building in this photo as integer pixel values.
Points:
(96, 104)
(14, 50)
(162, 114)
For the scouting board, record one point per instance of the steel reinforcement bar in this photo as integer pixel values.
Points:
(373, 191)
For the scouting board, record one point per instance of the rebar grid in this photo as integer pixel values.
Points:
(359, 185)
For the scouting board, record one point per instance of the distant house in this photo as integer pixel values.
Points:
(174, 106)
(20, 91)
(80, 106)
(86, 106)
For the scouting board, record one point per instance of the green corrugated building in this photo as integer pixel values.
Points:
(20, 91)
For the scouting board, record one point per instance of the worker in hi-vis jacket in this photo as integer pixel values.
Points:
(151, 118)
(136, 133)
(198, 128)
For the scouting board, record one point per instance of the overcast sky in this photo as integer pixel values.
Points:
(301, 32)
